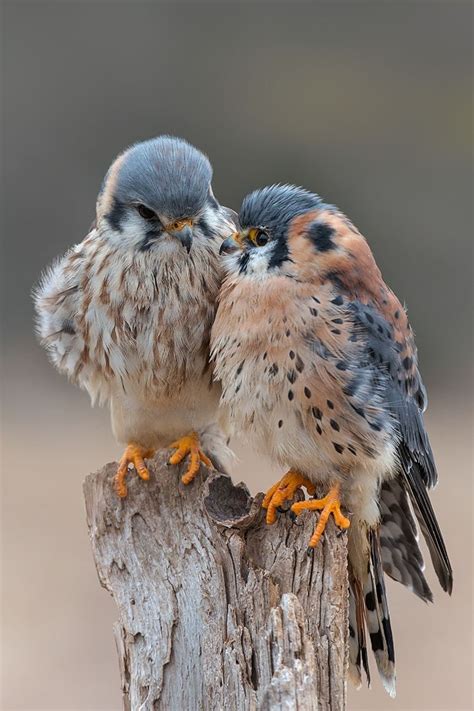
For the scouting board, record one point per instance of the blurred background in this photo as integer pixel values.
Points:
(367, 103)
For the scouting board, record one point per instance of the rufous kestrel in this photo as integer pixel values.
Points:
(318, 366)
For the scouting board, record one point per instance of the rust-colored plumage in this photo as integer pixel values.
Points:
(319, 367)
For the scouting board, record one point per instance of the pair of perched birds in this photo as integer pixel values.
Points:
(173, 307)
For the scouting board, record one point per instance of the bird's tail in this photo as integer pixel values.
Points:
(358, 658)
(368, 612)
(401, 554)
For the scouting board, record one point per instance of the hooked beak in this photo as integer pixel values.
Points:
(184, 234)
(230, 245)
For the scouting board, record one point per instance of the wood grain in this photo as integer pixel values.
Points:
(216, 609)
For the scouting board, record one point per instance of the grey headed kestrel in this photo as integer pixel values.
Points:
(126, 314)
(318, 366)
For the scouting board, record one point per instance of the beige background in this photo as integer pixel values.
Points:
(368, 103)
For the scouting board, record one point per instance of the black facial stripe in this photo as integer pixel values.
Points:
(279, 253)
(116, 214)
(243, 262)
(149, 239)
(320, 235)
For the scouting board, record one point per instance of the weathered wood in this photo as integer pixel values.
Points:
(217, 610)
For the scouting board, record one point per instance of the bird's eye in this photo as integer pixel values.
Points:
(261, 238)
(145, 212)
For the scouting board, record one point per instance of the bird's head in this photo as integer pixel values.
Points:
(264, 246)
(289, 231)
(154, 194)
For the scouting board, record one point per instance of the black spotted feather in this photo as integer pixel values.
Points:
(417, 470)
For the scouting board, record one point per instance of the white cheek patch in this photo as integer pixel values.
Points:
(259, 261)
(131, 233)
(257, 264)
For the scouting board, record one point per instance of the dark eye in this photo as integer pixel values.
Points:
(261, 238)
(145, 212)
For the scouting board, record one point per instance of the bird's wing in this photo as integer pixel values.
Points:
(58, 302)
(392, 351)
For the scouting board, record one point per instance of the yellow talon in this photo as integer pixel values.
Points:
(189, 445)
(330, 504)
(284, 490)
(134, 454)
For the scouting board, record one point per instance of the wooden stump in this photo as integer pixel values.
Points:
(217, 610)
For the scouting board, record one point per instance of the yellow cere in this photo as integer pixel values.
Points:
(179, 224)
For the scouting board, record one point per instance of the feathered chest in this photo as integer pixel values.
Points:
(146, 321)
(288, 352)
(270, 334)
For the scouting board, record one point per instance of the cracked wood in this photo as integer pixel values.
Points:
(217, 610)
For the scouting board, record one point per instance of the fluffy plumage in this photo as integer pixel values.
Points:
(127, 313)
(319, 368)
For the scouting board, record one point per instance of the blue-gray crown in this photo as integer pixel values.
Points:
(275, 206)
(166, 174)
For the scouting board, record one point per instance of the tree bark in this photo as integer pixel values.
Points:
(217, 610)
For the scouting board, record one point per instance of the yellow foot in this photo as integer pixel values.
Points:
(331, 504)
(134, 454)
(284, 490)
(189, 445)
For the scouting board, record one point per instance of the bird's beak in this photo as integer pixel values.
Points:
(231, 244)
(184, 234)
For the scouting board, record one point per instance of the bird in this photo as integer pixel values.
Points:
(319, 371)
(126, 314)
